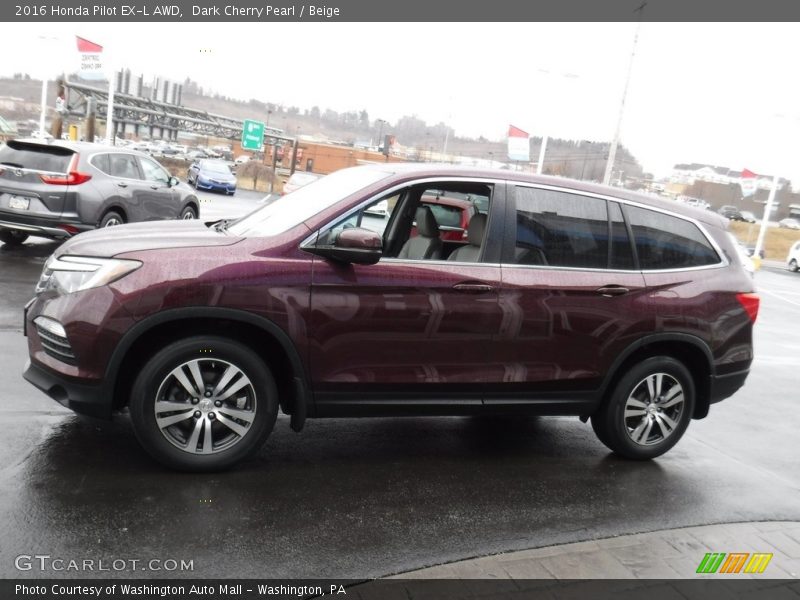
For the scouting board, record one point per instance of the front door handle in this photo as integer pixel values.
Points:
(472, 287)
(122, 184)
(612, 290)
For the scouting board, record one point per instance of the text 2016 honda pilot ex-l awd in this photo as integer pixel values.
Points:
(558, 298)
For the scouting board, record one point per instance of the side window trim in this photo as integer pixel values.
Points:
(631, 239)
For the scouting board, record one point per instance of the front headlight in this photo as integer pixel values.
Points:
(68, 274)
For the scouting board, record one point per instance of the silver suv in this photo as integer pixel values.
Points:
(59, 189)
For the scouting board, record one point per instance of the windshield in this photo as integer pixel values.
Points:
(215, 167)
(292, 209)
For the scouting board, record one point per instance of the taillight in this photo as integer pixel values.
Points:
(750, 303)
(72, 177)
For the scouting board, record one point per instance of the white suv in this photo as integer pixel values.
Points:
(793, 260)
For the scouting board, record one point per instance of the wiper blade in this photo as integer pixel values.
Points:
(10, 164)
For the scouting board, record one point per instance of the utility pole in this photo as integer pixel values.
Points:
(612, 153)
(542, 149)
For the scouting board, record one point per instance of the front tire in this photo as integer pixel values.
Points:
(793, 267)
(648, 410)
(203, 404)
(12, 238)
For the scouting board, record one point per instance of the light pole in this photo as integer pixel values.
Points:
(380, 122)
(612, 153)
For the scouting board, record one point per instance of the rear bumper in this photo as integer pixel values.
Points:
(85, 399)
(40, 226)
(725, 386)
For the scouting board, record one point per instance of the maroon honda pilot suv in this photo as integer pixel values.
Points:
(562, 298)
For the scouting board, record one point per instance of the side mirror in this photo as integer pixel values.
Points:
(354, 245)
(173, 181)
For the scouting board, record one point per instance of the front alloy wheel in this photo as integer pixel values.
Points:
(648, 410)
(203, 403)
(204, 406)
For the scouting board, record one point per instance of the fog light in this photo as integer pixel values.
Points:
(50, 325)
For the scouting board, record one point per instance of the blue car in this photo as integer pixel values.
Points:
(212, 175)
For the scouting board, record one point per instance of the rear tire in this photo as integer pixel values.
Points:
(228, 420)
(649, 409)
(12, 238)
(111, 219)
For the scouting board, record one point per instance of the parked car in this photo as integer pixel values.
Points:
(731, 212)
(297, 180)
(789, 223)
(212, 175)
(544, 309)
(58, 189)
(240, 160)
(793, 258)
(748, 216)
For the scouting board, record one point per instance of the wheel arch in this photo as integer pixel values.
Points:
(117, 208)
(692, 351)
(261, 335)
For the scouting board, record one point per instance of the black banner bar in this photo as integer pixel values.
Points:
(384, 589)
(269, 11)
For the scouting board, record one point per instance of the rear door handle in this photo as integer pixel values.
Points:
(472, 287)
(612, 290)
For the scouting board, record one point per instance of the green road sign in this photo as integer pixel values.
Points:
(252, 135)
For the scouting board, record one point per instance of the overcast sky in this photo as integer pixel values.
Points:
(725, 94)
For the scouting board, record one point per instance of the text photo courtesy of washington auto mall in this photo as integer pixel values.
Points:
(399, 300)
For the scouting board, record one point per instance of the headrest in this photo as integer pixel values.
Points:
(426, 222)
(476, 228)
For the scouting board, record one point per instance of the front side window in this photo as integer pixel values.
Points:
(560, 229)
(667, 242)
(153, 171)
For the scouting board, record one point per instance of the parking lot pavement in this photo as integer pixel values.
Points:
(670, 554)
(371, 497)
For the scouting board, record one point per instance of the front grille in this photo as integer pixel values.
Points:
(56, 346)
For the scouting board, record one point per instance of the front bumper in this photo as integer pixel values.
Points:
(85, 399)
(212, 186)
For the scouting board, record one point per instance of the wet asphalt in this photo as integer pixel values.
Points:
(370, 497)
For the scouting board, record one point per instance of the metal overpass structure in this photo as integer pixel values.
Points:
(153, 117)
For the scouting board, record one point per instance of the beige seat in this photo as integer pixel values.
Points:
(427, 244)
(475, 231)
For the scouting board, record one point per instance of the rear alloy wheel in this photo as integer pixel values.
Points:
(188, 213)
(12, 238)
(203, 404)
(793, 266)
(111, 219)
(649, 409)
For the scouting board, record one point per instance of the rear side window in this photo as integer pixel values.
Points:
(123, 165)
(54, 159)
(667, 242)
(446, 216)
(100, 161)
(561, 229)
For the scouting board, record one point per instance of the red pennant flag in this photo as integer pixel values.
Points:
(87, 46)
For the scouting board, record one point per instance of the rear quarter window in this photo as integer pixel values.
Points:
(667, 242)
(54, 159)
